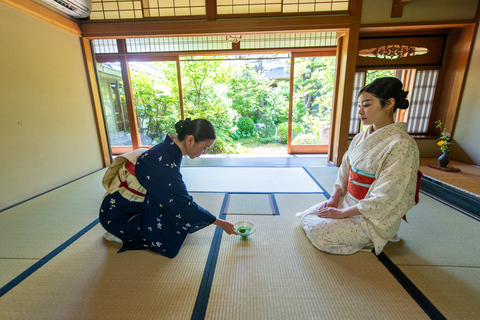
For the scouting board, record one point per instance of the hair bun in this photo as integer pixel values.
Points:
(403, 103)
(182, 125)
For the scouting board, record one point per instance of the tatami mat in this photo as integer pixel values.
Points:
(248, 203)
(90, 280)
(437, 234)
(247, 179)
(326, 176)
(439, 253)
(32, 229)
(454, 291)
(274, 274)
(278, 274)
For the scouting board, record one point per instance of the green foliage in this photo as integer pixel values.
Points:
(247, 89)
(205, 95)
(223, 144)
(245, 126)
(444, 138)
(267, 130)
(307, 138)
(275, 102)
(157, 111)
(282, 131)
(375, 74)
(222, 91)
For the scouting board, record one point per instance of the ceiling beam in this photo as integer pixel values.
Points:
(118, 30)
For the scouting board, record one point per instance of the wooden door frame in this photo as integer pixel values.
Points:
(302, 149)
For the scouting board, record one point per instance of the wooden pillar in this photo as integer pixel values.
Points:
(127, 87)
(96, 101)
(345, 76)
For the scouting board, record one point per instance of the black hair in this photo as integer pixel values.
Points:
(200, 129)
(386, 88)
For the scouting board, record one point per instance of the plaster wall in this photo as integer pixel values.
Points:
(47, 125)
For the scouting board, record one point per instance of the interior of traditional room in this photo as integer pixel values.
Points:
(70, 106)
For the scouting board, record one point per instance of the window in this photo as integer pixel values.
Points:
(421, 92)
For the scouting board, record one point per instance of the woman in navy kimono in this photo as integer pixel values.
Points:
(147, 205)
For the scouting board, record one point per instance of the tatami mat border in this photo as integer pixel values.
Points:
(412, 290)
(327, 195)
(40, 263)
(453, 196)
(201, 304)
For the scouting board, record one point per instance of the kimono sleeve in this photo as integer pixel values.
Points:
(342, 177)
(393, 192)
(343, 171)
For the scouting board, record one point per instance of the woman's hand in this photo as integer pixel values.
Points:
(330, 212)
(335, 213)
(226, 226)
(333, 201)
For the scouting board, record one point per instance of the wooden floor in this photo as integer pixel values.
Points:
(467, 179)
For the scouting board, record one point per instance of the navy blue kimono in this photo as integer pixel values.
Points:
(167, 215)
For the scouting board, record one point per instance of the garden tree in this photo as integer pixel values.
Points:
(313, 94)
(375, 74)
(157, 110)
(205, 95)
(247, 89)
(314, 78)
(276, 101)
(224, 91)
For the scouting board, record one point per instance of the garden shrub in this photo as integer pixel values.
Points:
(266, 130)
(307, 138)
(245, 125)
(223, 145)
(282, 131)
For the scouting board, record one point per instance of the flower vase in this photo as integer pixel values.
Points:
(444, 159)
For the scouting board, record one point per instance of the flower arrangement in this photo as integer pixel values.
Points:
(444, 137)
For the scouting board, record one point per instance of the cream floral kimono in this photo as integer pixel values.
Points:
(379, 175)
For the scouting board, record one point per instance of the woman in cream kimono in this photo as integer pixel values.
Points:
(377, 180)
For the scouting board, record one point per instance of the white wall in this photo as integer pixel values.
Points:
(48, 135)
(466, 146)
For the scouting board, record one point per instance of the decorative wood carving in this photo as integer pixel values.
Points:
(393, 51)
(401, 51)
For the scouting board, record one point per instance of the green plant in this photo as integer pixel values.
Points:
(307, 138)
(245, 126)
(267, 129)
(444, 137)
(282, 131)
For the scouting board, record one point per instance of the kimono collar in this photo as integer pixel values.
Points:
(401, 126)
(172, 147)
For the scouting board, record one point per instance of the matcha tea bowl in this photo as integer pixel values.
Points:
(244, 228)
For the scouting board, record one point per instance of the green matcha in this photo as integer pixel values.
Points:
(244, 231)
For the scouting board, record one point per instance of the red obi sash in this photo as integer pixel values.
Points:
(359, 182)
(123, 184)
